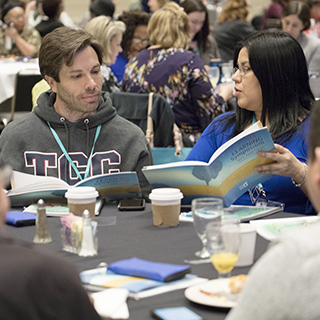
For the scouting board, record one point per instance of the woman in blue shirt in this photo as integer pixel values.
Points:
(271, 85)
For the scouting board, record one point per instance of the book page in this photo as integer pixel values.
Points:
(24, 180)
(255, 127)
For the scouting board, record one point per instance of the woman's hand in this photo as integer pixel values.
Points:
(286, 164)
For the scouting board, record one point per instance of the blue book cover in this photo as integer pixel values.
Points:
(229, 173)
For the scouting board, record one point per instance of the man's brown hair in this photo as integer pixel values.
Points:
(59, 47)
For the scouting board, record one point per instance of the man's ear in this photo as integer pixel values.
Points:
(52, 83)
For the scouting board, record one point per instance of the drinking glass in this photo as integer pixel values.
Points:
(214, 75)
(223, 244)
(205, 210)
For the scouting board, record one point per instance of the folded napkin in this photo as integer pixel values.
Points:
(20, 218)
(164, 272)
(111, 303)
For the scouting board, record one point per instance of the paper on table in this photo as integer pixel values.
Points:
(139, 287)
(57, 210)
(111, 303)
(242, 213)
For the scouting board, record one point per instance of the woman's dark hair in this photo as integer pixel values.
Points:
(132, 19)
(279, 64)
(201, 37)
(300, 9)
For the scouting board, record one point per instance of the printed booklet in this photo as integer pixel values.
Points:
(27, 188)
(228, 174)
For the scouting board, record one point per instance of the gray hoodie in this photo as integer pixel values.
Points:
(28, 145)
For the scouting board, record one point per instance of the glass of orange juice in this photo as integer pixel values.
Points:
(223, 244)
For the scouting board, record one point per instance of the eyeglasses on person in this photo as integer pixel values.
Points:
(243, 70)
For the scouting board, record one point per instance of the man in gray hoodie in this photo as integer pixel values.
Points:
(74, 131)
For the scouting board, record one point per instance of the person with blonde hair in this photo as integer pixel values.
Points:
(168, 68)
(109, 32)
(232, 27)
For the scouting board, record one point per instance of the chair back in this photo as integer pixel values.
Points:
(22, 98)
(134, 107)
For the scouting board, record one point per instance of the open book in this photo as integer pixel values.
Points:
(228, 174)
(27, 188)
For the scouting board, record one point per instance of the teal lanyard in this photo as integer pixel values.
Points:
(63, 149)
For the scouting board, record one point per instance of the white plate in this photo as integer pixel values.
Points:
(218, 285)
(271, 229)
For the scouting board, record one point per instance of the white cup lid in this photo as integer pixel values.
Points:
(165, 194)
(81, 193)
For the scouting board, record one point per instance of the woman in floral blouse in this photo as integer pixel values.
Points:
(168, 68)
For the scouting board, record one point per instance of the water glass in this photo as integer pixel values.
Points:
(205, 210)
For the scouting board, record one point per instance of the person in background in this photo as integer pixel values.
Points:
(273, 13)
(34, 15)
(24, 42)
(134, 39)
(109, 32)
(102, 8)
(269, 62)
(315, 18)
(231, 27)
(155, 5)
(34, 282)
(295, 19)
(52, 9)
(201, 41)
(74, 132)
(168, 68)
(284, 283)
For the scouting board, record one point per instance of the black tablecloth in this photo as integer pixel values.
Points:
(124, 234)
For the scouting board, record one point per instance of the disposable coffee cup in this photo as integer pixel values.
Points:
(80, 199)
(166, 203)
(248, 244)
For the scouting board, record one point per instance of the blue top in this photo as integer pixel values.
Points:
(119, 66)
(278, 188)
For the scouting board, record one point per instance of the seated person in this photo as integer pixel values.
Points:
(52, 9)
(74, 131)
(202, 42)
(232, 27)
(134, 39)
(168, 68)
(295, 20)
(37, 284)
(102, 8)
(284, 283)
(109, 32)
(24, 42)
(314, 29)
(269, 62)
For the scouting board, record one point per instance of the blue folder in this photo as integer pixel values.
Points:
(151, 270)
(20, 218)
